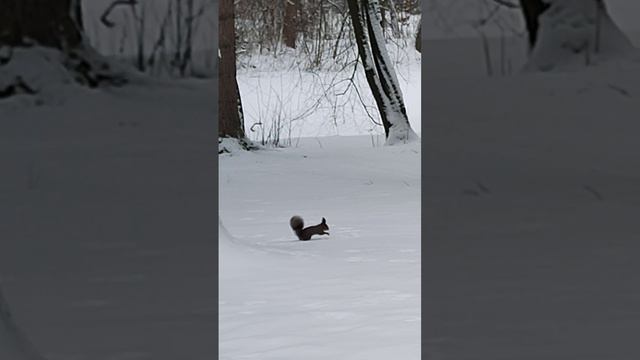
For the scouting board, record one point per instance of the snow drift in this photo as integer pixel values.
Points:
(575, 33)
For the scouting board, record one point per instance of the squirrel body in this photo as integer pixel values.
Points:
(297, 224)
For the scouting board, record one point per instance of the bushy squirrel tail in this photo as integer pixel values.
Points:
(296, 223)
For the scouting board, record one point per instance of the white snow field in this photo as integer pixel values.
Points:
(532, 190)
(354, 294)
(107, 212)
(298, 103)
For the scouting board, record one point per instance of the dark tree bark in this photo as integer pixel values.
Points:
(230, 117)
(290, 27)
(379, 71)
(53, 24)
(77, 14)
(532, 9)
(419, 37)
(594, 37)
(45, 22)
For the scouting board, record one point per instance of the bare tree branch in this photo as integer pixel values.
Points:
(507, 3)
(105, 15)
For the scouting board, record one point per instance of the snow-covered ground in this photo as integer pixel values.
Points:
(106, 203)
(354, 294)
(532, 192)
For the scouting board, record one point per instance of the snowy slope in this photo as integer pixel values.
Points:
(354, 294)
(532, 188)
(107, 238)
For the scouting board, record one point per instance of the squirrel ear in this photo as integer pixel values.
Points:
(324, 221)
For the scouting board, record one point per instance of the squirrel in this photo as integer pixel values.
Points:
(297, 224)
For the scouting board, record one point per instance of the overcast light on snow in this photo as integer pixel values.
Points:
(453, 18)
(268, 95)
(353, 294)
(106, 202)
(108, 211)
(531, 239)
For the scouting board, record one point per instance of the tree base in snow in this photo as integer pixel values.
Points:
(36, 70)
(228, 145)
(401, 135)
(577, 33)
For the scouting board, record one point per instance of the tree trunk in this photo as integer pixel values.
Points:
(230, 118)
(532, 9)
(54, 25)
(290, 23)
(574, 33)
(419, 37)
(78, 18)
(45, 22)
(379, 71)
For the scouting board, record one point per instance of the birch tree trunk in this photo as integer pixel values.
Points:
(379, 71)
